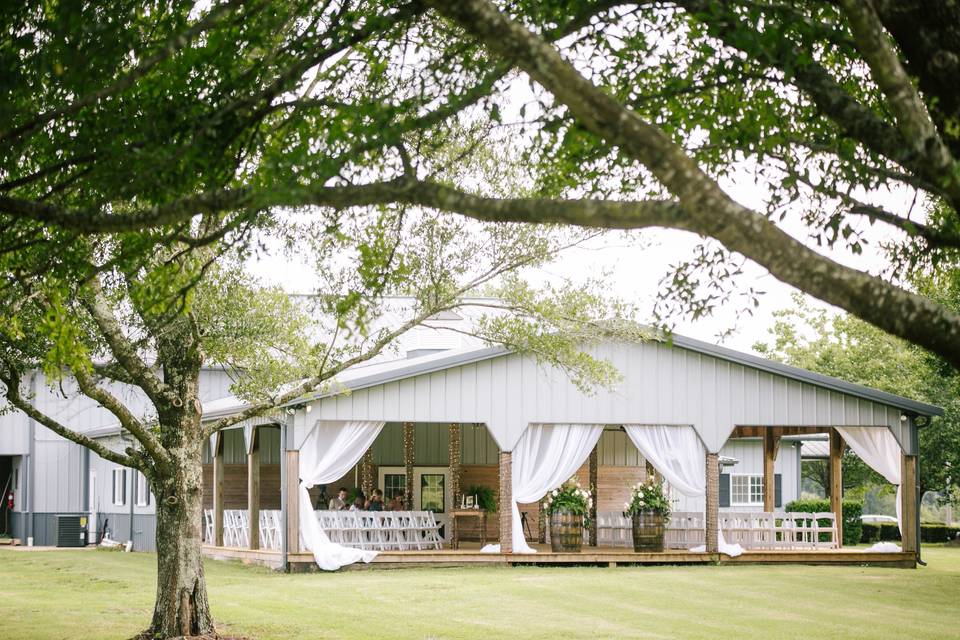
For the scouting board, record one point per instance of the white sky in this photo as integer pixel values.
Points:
(636, 266)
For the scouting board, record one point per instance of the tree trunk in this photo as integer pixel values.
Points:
(181, 608)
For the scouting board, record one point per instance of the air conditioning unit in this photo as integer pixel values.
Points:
(71, 531)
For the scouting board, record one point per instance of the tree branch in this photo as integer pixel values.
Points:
(121, 347)
(914, 121)
(706, 208)
(151, 444)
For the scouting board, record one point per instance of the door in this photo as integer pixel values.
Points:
(431, 492)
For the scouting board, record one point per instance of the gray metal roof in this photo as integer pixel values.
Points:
(401, 369)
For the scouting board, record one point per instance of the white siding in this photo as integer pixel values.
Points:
(661, 385)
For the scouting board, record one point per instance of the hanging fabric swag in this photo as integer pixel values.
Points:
(678, 455)
(546, 456)
(879, 449)
(327, 453)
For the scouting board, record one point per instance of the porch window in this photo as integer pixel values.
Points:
(746, 490)
(119, 487)
(394, 484)
(432, 490)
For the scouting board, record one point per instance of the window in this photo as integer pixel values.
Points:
(746, 489)
(394, 484)
(143, 491)
(119, 487)
(432, 490)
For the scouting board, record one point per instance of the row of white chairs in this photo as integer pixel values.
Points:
(750, 529)
(685, 529)
(236, 528)
(376, 530)
(780, 530)
(382, 530)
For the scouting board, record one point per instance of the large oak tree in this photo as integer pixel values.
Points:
(137, 138)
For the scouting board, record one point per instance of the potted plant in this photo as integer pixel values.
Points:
(649, 509)
(567, 507)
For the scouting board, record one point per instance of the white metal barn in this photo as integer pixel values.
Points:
(449, 420)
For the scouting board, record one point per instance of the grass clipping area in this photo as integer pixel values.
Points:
(91, 594)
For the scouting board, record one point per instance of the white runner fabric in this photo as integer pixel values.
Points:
(546, 456)
(327, 453)
(879, 449)
(677, 453)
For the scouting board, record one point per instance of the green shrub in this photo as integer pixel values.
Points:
(486, 497)
(888, 532)
(870, 533)
(852, 510)
(937, 532)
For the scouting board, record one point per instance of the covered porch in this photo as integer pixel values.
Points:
(484, 402)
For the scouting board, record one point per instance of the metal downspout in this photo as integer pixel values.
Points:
(915, 444)
(29, 473)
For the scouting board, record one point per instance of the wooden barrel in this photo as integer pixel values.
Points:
(648, 531)
(566, 531)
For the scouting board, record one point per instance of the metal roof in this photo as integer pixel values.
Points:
(384, 372)
(397, 370)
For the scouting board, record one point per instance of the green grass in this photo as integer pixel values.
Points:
(91, 594)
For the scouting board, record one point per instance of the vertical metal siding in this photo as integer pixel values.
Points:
(660, 385)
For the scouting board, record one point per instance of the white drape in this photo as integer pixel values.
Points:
(546, 456)
(677, 453)
(327, 453)
(879, 449)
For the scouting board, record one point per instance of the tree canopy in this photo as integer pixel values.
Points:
(131, 120)
(851, 349)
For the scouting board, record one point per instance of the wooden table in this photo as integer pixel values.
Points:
(480, 514)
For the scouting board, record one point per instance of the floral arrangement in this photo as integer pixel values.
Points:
(648, 496)
(571, 496)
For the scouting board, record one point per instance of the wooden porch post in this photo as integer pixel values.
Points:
(908, 506)
(771, 442)
(292, 479)
(594, 472)
(505, 503)
(712, 518)
(253, 488)
(408, 464)
(836, 481)
(218, 492)
(455, 458)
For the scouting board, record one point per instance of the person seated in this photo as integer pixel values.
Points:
(359, 503)
(396, 503)
(339, 502)
(376, 501)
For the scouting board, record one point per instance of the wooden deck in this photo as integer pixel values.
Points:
(592, 556)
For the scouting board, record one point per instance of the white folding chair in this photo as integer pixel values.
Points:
(208, 525)
(830, 529)
(427, 529)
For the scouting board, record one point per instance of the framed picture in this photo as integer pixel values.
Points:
(470, 502)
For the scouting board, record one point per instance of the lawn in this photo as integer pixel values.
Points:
(95, 594)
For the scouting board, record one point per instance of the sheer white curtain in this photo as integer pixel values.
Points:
(327, 453)
(677, 453)
(545, 457)
(879, 449)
